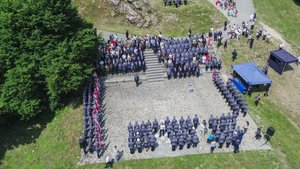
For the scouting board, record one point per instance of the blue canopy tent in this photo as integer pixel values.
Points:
(279, 59)
(250, 74)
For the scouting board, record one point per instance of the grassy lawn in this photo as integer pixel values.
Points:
(285, 89)
(199, 15)
(282, 15)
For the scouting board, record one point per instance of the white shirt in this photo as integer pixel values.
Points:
(107, 159)
(213, 144)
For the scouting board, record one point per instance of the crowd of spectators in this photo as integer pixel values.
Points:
(182, 56)
(229, 6)
(91, 135)
(123, 55)
(176, 3)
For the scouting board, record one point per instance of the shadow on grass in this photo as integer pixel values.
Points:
(297, 2)
(102, 118)
(288, 68)
(15, 132)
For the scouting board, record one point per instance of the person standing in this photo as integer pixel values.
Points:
(251, 42)
(116, 153)
(236, 146)
(108, 162)
(257, 99)
(161, 129)
(136, 79)
(234, 55)
(225, 45)
(213, 145)
(249, 91)
(190, 33)
(225, 25)
(246, 127)
(127, 34)
(258, 133)
(254, 16)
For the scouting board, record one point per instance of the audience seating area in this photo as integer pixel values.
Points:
(91, 135)
(123, 56)
(182, 56)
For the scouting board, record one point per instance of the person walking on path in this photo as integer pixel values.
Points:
(225, 45)
(257, 99)
(225, 25)
(234, 55)
(136, 79)
(246, 127)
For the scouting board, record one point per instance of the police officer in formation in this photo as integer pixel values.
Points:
(196, 121)
(226, 131)
(142, 136)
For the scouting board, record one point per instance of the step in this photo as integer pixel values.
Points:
(152, 57)
(149, 54)
(154, 70)
(155, 76)
(148, 51)
(152, 61)
(161, 74)
(149, 67)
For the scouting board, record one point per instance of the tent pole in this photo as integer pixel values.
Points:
(284, 67)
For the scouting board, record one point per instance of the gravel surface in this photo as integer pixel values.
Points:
(124, 103)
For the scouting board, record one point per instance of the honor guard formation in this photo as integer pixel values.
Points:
(180, 132)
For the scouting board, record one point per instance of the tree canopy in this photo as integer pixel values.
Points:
(47, 52)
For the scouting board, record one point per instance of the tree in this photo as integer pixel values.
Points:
(47, 52)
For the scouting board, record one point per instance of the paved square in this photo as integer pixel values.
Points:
(124, 103)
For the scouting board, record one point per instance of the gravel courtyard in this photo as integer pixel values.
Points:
(124, 103)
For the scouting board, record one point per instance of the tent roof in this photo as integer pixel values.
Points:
(284, 56)
(251, 73)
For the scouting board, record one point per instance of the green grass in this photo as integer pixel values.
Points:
(199, 15)
(283, 87)
(51, 142)
(283, 15)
